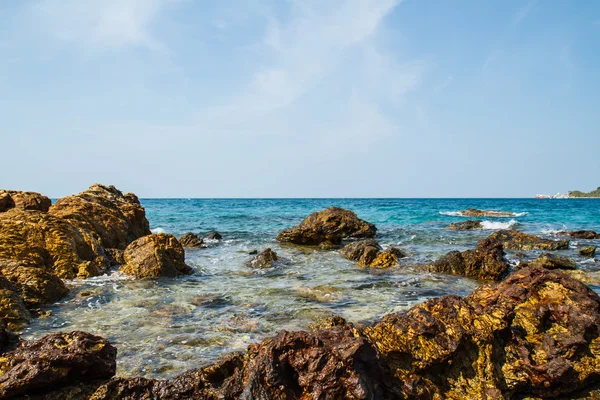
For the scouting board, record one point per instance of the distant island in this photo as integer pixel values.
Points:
(593, 193)
(575, 194)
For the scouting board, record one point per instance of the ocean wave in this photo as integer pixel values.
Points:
(495, 225)
(461, 214)
(451, 213)
(157, 230)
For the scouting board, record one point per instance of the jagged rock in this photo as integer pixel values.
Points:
(473, 212)
(328, 226)
(26, 200)
(253, 252)
(264, 259)
(512, 239)
(588, 251)
(56, 361)
(551, 261)
(12, 309)
(191, 240)
(214, 236)
(583, 234)
(369, 253)
(38, 239)
(155, 255)
(117, 218)
(8, 340)
(36, 286)
(485, 262)
(115, 257)
(536, 334)
(466, 225)
(6, 201)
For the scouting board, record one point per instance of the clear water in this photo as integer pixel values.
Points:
(166, 326)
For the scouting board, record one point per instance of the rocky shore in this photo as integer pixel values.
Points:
(534, 333)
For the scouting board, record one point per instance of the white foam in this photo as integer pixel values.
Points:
(460, 214)
(451, 213)
(157, 230)
(495, 225)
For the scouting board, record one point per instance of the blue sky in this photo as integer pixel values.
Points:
(349, 98)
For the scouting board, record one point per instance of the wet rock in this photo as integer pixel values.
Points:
(264, 259)
(328, 322)
(214, 236)
(536, 334)
(253, 252)
(512, 239)
(486, 262)
(466, 225)
(118, 219)
(328, 226)
(55, 361)
(155, 255)
(473, 212)
(588, 251)
(388, 258)
(42, 240)
(115, 257)
(583, 234)
(191, 240)
(8, 340)
(36, 286)
(13, 313)
(552, 261)
(26, 200)
(320, 293)
(6, 201)
(364, 251)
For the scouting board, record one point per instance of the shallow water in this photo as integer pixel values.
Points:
(166, 326)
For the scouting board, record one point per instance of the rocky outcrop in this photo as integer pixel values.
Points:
(584, 235)
(13, 313)
(6, 202)
(118, 219)
(329, 226)
(588, 251)
(35, 286)
(512, 239)
(369, 253)
(191, 240)
(214, 236)
(155, 255)
(265, 259)
(56, 361)
(486, 262)
(550, 261)
(8, 340)
(473, 212)
(466, 225)
(24, 200)
(115, 257)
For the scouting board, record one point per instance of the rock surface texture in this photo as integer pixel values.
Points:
(551, 261)
(264, 259)
(192, 241)
(369, 253)
(329, 226)
(23, 200)
(154, 256)
(516, 240)
(588, 251)
(466, 225)
(473, 212)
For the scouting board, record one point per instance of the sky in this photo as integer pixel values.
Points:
(300, 98)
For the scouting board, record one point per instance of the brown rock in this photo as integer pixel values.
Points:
(265, 259)
(13, 313)
(583, 234)
(6, 201)
(56, 361)
(118, 219)
(369, 253)
(588, 251)
(466, 225)
(155, 255)
(115, 257)
(8, 340)
(36, 286)
(26, 200)
(328, 226)
(486, 262)
(191, 240)
(214, 236)
(473, 212)
(552, 261)
(512, 239)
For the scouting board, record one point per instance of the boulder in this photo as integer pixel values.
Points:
(56, 361)
(328, 226)
(36, 286)
(369, 253)
(512, 239)
(155, 255)
(191, 240)
(214, 236)
(264, 259)
(551, 261)
(473, 212)
(466, 225)
(8, 340)
(6, 201)
(583, 234)
(118, 219)
(26, 200)
(13, 313)
(486, 262)
(588, 251)
(115, 257)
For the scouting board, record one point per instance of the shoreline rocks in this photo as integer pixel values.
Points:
(192, 241)
(473, 212)
(328, 227)
(23, 201)
(588, 251)
(264, 259)
(550, 261)
(368, 253)
(516, 240)
(466, 225)
(583, 234)
(154, 256)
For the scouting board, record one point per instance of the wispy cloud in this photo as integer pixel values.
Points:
(523, 12)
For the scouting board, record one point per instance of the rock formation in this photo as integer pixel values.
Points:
(329, 226)
(155, 255)
(265, 259)
(473, 212)
(550, 261)
(214, 236)
(23, 200)
(512, 239)
(466, 225)
(369, 253)
(584, 235)
(191, 240)
(588, 251)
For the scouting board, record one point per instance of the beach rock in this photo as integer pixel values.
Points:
(191, 240)
(214, 236)
(253, 252)
(328, 226)
(512, 239)
(56, 361)
(486, 262)
(588, 251)
(473, 212)
(42, 240)
(466, 225)
(552, 261)
(13, 312)
(155, 255)
(534, 335)
(8, 340)
(115, 257)
(118, 219)
(264, 259)
(583, 234)
(26, 200)
(6, 201)
(369, 253)
(36, 286)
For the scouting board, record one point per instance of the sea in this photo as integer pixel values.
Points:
(163, 327)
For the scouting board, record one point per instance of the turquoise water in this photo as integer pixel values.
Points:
(166, 326)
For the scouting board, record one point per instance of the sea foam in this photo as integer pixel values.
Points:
(157, 230)
(495, 225)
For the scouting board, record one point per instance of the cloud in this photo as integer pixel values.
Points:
(522, 13)
(100, 23)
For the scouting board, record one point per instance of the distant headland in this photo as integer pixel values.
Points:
(575, 194)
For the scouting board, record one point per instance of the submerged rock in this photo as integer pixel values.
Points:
(369, 253)
(36, 286)
(473, 212)
(155, 255)
(583, 234)
(486, 262)
(588, 251)
(25, 200)
(264, 259)
(214, 236)
(466, 225)
(512, 239)
(118, 219)
(13, 313)
(191, 240)
(551, 261)
(328, 226)
(56, 361)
